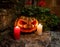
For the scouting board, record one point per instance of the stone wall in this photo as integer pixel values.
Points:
(6, 18)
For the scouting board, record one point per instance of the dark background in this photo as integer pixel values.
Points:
(6, 4)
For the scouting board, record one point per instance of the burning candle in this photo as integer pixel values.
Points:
(17, 33)
(39, 29)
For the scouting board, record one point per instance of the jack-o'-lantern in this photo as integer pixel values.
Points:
(27, 24)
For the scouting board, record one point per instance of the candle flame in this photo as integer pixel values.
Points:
(17, 26)
(40, 25)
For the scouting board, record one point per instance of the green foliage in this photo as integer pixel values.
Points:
(43, 15)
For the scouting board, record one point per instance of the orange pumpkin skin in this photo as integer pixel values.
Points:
(27, 24)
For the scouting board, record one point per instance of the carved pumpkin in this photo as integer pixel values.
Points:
(27, 24)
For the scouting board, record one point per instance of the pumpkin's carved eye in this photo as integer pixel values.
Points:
(34, 22)
(22, 22)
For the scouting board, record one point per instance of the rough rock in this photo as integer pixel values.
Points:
(27, 40)
(55, 39)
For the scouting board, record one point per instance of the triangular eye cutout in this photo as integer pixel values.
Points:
(34, 22)
(22, 22)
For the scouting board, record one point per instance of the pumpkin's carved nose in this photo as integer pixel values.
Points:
(27, 26)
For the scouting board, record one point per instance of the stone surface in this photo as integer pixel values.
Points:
(55, 39)
(34, 40)
(47, 39)
(27, 40)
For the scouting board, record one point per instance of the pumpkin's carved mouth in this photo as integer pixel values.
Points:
(27, 29)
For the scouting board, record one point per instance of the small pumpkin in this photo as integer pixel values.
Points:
(27, 24)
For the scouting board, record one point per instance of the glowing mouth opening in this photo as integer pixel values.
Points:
(28, 29)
